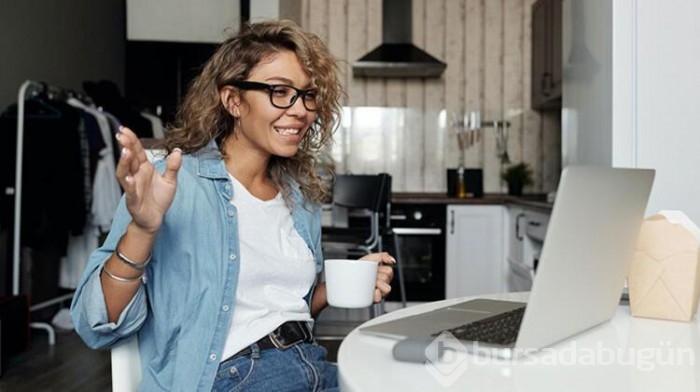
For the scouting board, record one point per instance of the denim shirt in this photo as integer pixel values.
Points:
(183, 311)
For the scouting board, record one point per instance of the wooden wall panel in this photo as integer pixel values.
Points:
(318, 18)
(513, 76)
(486, 44)
(356, 47)
(454, 92)
(473, 70)
(414, 159)
(376, 89)
(338, 38)
(434, 127)
(493, 90)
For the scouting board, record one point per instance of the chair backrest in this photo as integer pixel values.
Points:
(126, 366)
(370, 193)
(385, 202)
(359, 191)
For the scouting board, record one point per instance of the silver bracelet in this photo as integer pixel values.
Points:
(141, 277)
(128, 261)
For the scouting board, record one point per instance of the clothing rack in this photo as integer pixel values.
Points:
(16, 245)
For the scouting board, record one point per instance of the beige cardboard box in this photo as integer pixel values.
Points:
(664, 279)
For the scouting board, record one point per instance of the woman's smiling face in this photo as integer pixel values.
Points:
(261, 125)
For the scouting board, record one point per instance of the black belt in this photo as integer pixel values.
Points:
(284, 337)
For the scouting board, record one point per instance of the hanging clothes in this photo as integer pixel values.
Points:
(104, 195)
(106, 190)
(106, 94)
(53, 200)
(156, 124)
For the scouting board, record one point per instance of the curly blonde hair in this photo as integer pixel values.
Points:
(202, 117)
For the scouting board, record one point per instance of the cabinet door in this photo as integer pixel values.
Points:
(475, 250)
(516, 230)
(555, 45)
(546, 54)
(539, 54)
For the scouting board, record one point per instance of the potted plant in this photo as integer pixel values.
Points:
(517, 176)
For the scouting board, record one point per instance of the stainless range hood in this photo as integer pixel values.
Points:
(397, 57)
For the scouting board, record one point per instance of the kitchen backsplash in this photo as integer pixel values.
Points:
(402, 126)
(395, 140)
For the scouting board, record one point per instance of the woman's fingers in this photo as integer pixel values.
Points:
(124, 166)
(172, 165)
(385, 273)
(382, 290)
(377, 295)
(131, 148)
(382, 257)
(385, 270)
(125, 139)
(383, 286)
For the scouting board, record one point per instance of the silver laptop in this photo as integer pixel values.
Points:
(585, 257)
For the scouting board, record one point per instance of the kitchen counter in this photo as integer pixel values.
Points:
(538, 201)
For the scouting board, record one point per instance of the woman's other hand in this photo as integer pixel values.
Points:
(148, 193)
(384, 273)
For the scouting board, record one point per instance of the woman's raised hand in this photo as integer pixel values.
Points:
(148, 193)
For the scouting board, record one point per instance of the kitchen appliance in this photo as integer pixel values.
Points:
(420, 233)
(397, 56)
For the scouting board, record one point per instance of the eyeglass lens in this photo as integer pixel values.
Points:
(285, 96)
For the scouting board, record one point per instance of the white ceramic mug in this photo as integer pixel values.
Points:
(350, 283)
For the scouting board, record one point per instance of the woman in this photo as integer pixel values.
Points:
(214, 262)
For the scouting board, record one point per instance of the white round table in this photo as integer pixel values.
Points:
(625, 354)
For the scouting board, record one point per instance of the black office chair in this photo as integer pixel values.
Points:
(360, 198)
(367, 201)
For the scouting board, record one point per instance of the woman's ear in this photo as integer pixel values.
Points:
(231, 100)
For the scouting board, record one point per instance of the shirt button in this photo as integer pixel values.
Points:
(232, 256)
(225, 308)
(227, 187)
(230, 213)
(212, 357)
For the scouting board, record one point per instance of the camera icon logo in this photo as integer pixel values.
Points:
(447, 359)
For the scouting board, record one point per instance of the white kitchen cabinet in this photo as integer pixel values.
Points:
(475, 250)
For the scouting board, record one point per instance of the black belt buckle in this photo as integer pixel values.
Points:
(289, 334)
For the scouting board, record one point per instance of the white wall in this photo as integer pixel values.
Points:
(587, 87)
(60, 42)
(264, 9)
(668, 91)
(638, 108)
(182, 20)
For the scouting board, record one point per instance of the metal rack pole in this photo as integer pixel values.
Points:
(16, 245)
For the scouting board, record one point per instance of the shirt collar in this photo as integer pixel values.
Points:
(209, 162)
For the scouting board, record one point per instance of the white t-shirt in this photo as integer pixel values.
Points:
(277, 270)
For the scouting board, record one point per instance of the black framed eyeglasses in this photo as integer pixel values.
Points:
(282, 96)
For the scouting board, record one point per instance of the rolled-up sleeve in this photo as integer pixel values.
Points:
(88, 309)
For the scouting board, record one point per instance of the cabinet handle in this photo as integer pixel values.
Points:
(517, 226)
(546, 84)
(452, 221)
(534, 224)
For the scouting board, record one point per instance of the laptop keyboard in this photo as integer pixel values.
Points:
(500, 329)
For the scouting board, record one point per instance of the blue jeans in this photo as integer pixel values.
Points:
(302, 367)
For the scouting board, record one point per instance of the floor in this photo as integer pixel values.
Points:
(70, 366)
